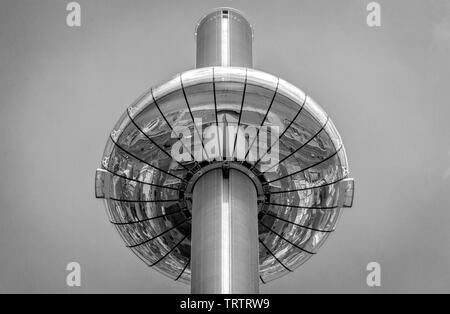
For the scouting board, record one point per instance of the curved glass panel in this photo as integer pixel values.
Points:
(256, 104)
(143, 101)
(178, 259)
(155, 126)
(135, 142)
(107, 152)
(199, 89)
(282, 112)
(134, 212)
(317, 111)
(150, 252)
(292, 92)
(167, 88)
(294, 258)
(325, 170)
(185, 276)
(151, 171)
(270, 268)
(129, 190)
(172, 104)
(259, 95)
(262, 79)
(156, 230)
(229, 88)
(333, 133)
(321, 220)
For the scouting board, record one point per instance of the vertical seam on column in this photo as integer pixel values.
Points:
(226, 236)
(225, 42)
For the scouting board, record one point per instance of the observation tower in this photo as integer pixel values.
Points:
(224, 177)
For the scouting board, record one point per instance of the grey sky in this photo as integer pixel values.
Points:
(387, 90)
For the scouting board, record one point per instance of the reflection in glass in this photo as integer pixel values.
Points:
(144, 186)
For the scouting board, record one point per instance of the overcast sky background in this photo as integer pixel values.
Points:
(387, 90)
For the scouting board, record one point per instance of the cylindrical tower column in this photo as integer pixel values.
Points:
(224, 253)
(224, 38)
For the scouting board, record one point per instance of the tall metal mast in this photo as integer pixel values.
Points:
(224, 254)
